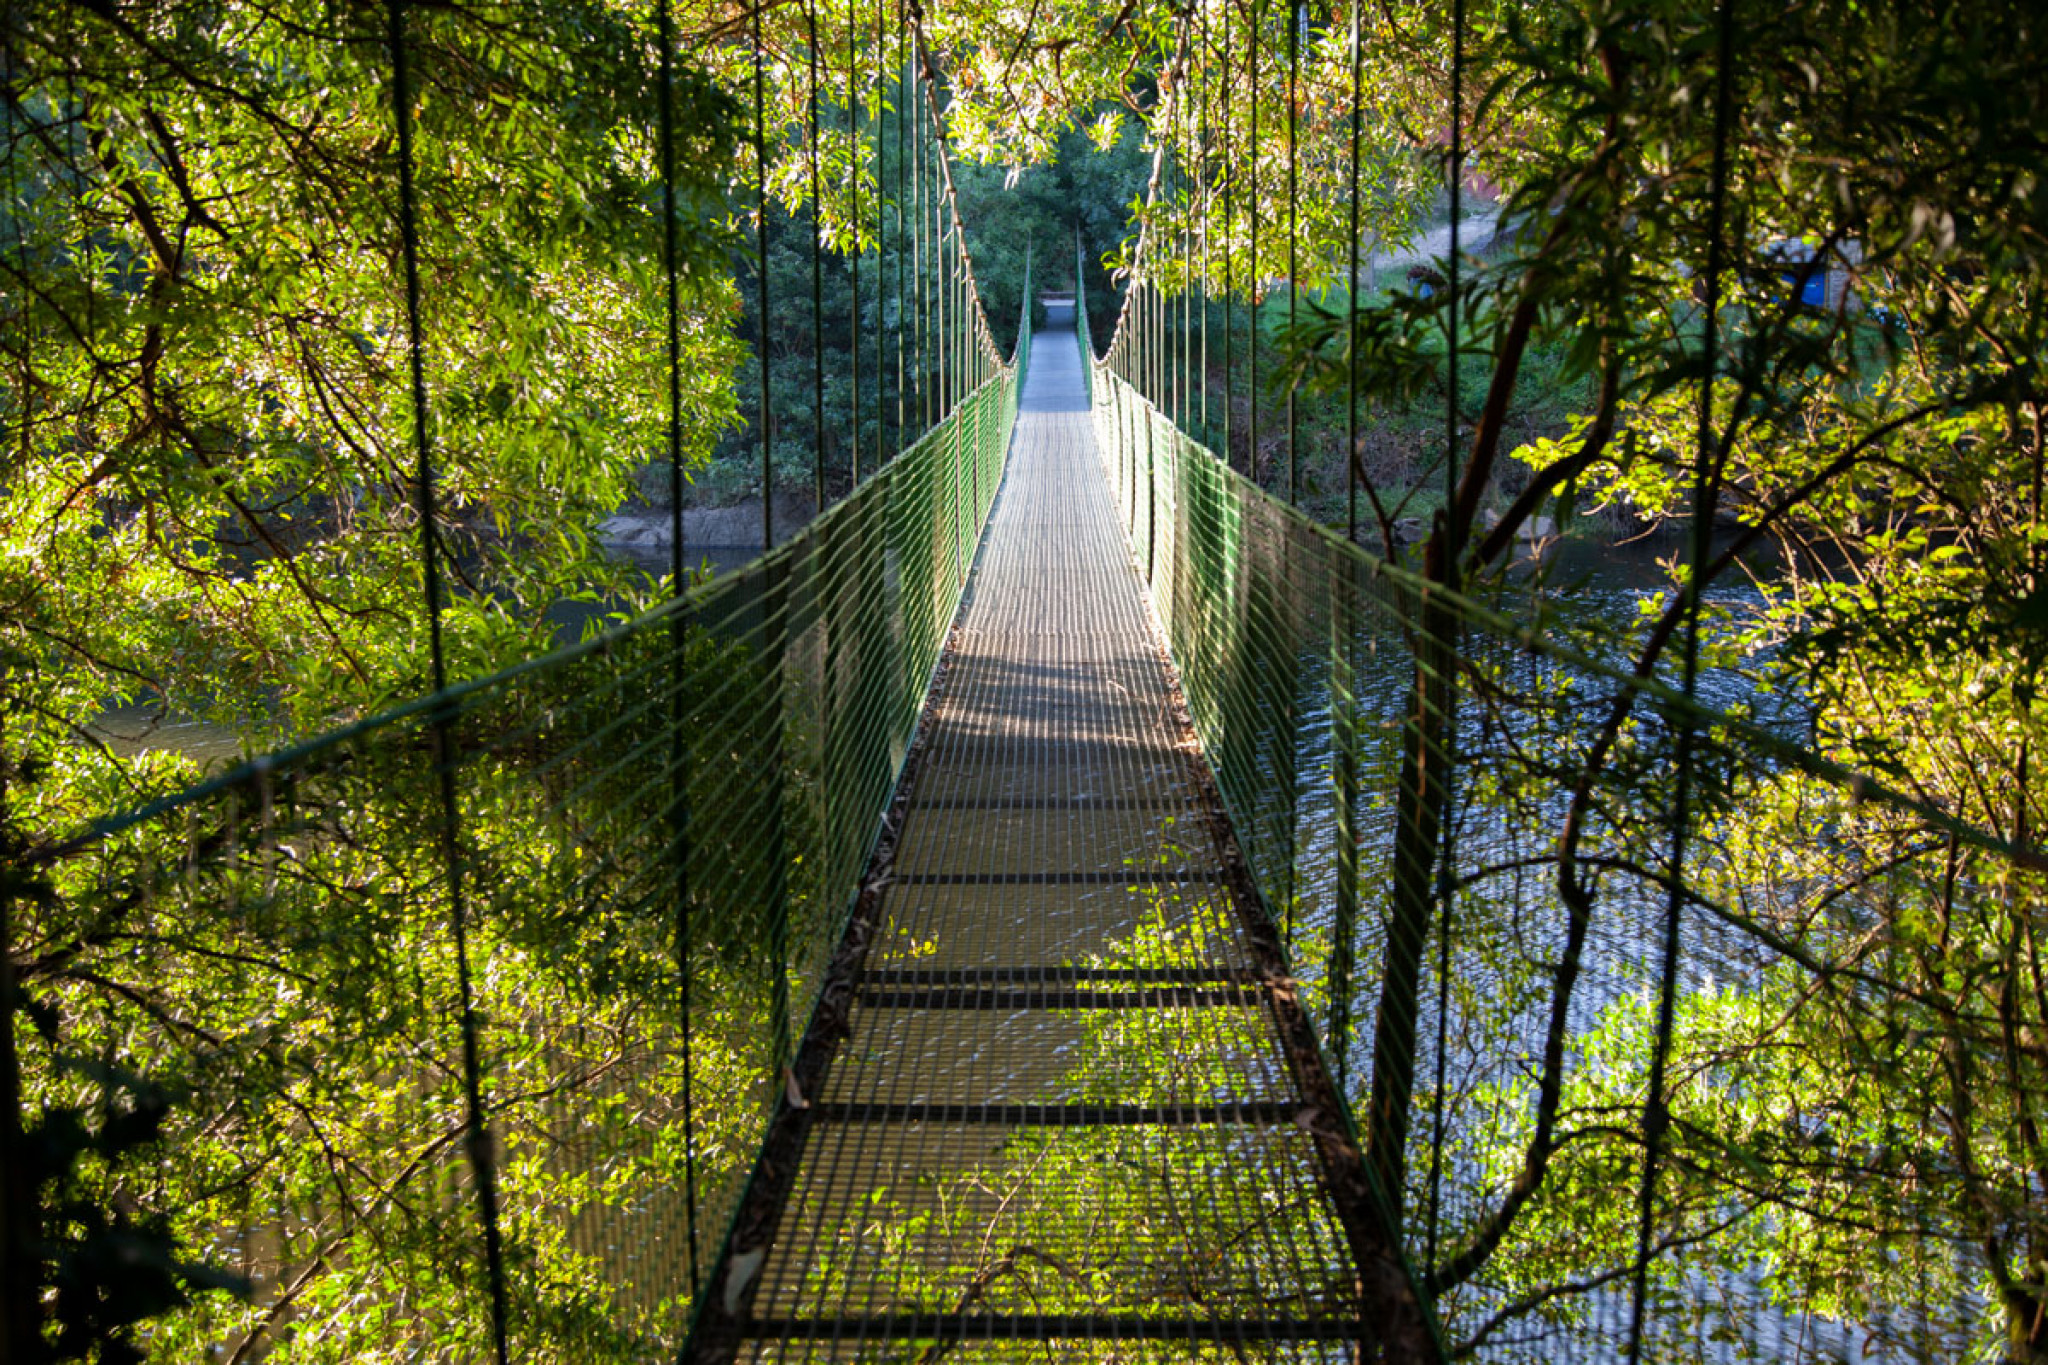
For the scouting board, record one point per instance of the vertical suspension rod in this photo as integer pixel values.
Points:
(1294, 22)
(881, 237)
(483, 1165)
(761, 278)
(853, 254)
(1229, 257)
(1251, 53)
(1206, 185)
(678, 756)
(1705, 492)
(1351, 298)
(817, 273)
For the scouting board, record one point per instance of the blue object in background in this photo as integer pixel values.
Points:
(1811, 285)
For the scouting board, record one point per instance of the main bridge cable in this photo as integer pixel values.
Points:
(905, 241)
(817, 280)
(1295, 18)
(678, 639)
(1343, 947)
(776, 894)
(1351, 301)
(881, 242)
(1251, 339)
(1229, 256)
(761, 274)
(1446, 660)
(1705, 493)
(481, 1162)
(1205, 180)
(854, 157)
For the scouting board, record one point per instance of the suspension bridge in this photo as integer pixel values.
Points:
(1075, 1100)
(815, 1015)
(1063, 903)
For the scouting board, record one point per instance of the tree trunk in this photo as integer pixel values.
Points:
(1422, 797)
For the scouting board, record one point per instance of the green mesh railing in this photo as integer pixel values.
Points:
(1473, 889)
(646, 927)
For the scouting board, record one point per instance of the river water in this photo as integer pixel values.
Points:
(1603, 580)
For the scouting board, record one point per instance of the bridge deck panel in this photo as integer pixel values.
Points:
(1023, 839)
(1100, 925)
(1023, 1055)
(1205, 1222)
(1063, 1124)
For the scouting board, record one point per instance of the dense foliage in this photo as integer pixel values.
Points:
(1826, 217)
(208, 504)
(210, 488)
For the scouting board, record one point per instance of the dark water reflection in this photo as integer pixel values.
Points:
(129, 730)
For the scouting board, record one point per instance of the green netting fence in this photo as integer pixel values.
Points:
(655, 850)
(1462, 824)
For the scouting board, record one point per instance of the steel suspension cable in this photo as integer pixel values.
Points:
(919, 262)
(1453, 538)
(881, 240)
(482, 1164)
(1251, 53)
(1173, 312)
(1351, 297)
(935, 307)
(1294, 21)
(927, 265)
(1151, 339)
(1229, 255)
(1178, 316)
(1705, 494)
(1454, 547)
(778, 902)
(1171, 351)
(853, 255)
(942, 335)
(678, 754)
(1170, 348)
(935, 267)
(1207, 178)
(1191, 180)
(941, 281)
(1343, 936)
(761, 277)
(817, 275)
(904, 229)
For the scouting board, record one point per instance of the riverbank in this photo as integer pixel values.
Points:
(725, 537)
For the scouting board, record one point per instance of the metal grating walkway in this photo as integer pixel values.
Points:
(1061, 1122)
